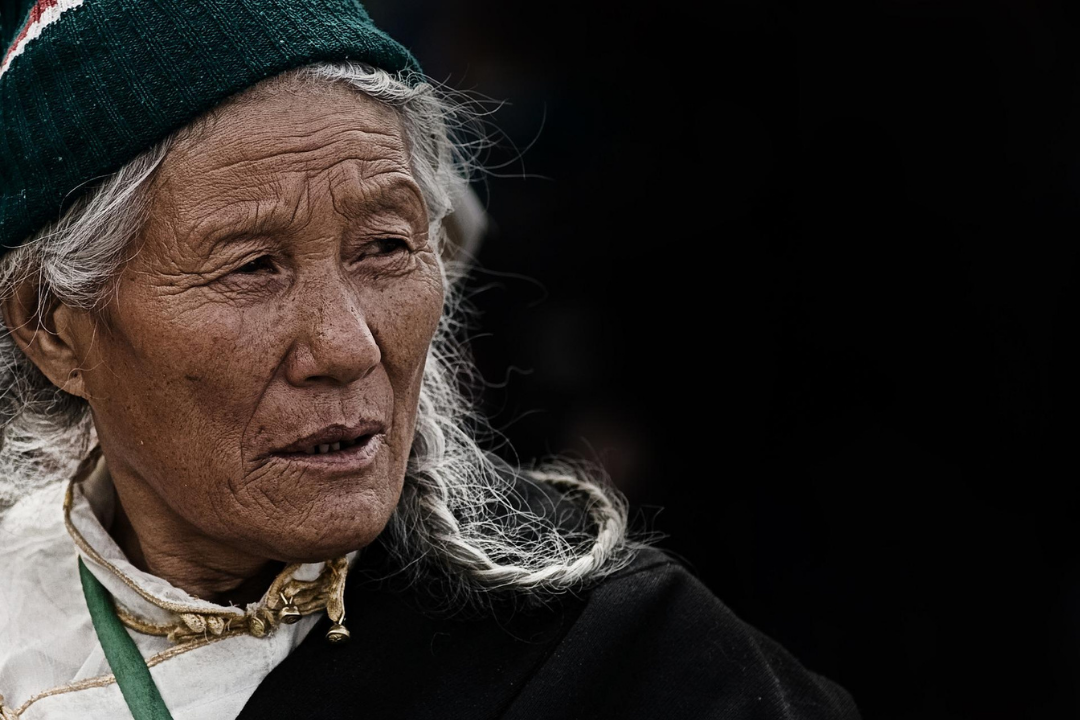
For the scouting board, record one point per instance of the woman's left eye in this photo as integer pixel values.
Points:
(383, 249)
(387, 246)
(263, 263)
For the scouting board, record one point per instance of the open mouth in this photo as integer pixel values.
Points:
(325, 448)
(336, 445)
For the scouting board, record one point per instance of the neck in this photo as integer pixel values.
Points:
(158, 541)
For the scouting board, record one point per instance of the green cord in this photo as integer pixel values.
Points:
(132, 674)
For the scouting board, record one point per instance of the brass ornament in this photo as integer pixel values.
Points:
(337, 634)
(257, 626)
(288, 614)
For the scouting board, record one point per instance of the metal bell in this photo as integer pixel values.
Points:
(257, 627)
(337, 634)
(289, 614)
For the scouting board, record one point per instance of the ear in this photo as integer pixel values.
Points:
(44, 329)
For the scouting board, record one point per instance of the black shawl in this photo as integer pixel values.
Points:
(649, 642)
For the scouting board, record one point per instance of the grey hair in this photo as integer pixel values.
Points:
(461, 516)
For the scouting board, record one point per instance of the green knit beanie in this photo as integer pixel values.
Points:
(86, 85)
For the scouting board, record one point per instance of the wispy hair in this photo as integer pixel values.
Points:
(462, 516)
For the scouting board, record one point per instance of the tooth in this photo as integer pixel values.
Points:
(309, 450)
(324, 448)
(336, 446)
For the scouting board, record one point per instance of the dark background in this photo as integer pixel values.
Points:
(804, 279)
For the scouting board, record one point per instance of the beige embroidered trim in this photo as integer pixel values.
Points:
(306, 597)
(103, 680)
(191, 622)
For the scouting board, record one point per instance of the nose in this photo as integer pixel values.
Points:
(334, 344)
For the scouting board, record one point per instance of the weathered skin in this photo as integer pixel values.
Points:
(284, 283)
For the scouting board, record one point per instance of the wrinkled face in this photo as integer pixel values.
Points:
(260, 366)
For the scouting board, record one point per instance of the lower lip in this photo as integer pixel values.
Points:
(358, 457)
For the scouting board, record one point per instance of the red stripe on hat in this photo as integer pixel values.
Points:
(35, 16)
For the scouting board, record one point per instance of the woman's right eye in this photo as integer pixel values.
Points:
(260, 264)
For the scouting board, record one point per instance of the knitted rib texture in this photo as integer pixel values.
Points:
(86, 85)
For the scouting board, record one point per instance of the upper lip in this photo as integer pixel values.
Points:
(332, 434)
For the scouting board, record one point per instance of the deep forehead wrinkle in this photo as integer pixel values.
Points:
(285, 206)
(252, 153)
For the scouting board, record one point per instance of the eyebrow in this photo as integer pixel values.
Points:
(245, 220)
(397, 192)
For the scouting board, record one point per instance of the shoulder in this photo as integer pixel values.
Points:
(43, 621)
(33, 528)
(688, 653)
(652, 641)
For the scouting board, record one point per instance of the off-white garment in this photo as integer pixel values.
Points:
(51, 663)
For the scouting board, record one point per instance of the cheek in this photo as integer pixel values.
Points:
(173, 387)
(403, 320)
(414, 338)
(198, 368)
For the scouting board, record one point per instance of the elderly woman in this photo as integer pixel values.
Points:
(232, 435)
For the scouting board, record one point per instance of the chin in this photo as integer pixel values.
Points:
(316, 540)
